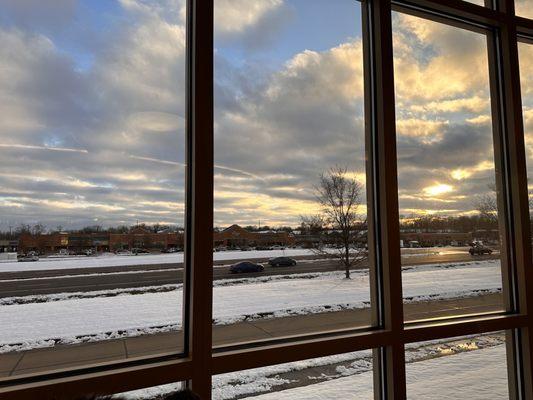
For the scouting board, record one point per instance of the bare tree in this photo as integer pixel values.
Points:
(487, 204)
(312, 224)
(38, 229)
(340, 198)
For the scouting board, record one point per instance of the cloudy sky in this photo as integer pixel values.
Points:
(92, 105)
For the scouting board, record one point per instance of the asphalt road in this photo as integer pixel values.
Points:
(25, 283)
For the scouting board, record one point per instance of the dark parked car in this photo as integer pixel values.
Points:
(139, 251)
(478, 249)
(245, 266)
(88, 252)
(263, 248)
(281, 262)
(29, 257)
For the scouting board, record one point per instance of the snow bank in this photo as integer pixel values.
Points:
(320, 376)
(8, 257)
(475, 375)
(71, 320)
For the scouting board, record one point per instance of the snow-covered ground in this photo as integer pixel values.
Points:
(69, 320)
(113, 260)
(461, 368)
(475, 375)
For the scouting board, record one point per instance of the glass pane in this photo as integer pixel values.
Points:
(92, 182)
(343, 376)
(473, 367)
(525, 52)
(289, 149)
(446, 175)
(524, 8)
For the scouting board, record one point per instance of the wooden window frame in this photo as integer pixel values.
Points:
(389, 334)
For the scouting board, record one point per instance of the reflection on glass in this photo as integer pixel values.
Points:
(473, 367)
(446, 175)
(526, 79)
(523, 8)
(343, 376)
(290, 199)
(478, 2)
(92, 179)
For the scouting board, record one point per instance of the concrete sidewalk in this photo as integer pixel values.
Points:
(70, 356)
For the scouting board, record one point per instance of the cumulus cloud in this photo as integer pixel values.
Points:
(260, 20)
(94, 131)
(69, 135)
(234, 16)
(101, 140)
(288, 128)
(32, 14)
(427, 130)
(445, 145)
(435, 62)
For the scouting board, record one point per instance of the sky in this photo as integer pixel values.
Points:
(92, 98)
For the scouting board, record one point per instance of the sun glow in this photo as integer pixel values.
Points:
(437, 190)
(460, 174)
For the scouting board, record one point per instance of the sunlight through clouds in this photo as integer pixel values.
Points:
(438, 190)
(111, 100)
(444, 130)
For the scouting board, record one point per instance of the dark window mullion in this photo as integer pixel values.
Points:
(520, 343)
(389, 362)
(199, 193)
(505, 211)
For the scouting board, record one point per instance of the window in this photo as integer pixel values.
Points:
(449, 230)
(93, 177)
(289, 148)
(264, 80)
(523, 8)
(526, 79)
(343, 376)
(460, 368)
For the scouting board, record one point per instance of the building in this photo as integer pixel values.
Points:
(84, 241)
(8, 246)
(140, 237)
(100, 241)
(431, 239)
(236, 236)
(43, 243)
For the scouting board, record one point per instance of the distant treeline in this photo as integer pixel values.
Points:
(37, 229)
(466, 223)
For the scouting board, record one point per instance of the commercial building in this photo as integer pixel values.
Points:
(236, 236)
(43, 243)
(8, 246)
(431, 239)
(100, 241)
(144, 239)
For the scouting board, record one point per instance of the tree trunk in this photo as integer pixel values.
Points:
(347, 261)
